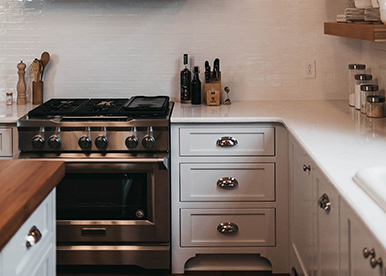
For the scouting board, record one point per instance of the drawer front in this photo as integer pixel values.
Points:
(199, 227)
(6, 143)
(17, 257)
(227, 182)
(251, 141)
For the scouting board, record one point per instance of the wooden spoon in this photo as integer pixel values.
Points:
(45, 58)
(36, 69)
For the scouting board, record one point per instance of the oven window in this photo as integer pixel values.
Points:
(102, 196)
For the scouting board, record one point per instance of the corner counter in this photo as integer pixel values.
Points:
(339, 139)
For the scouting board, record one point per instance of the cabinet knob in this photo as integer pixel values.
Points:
(367, 253)
(226, 141)
(34, 236)
(227, 182)
(374, 262)
(227, 227)
(306, 168)
(324, 202)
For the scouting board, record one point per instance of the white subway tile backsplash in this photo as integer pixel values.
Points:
(120, 48)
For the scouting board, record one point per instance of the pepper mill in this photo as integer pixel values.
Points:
(21, 87)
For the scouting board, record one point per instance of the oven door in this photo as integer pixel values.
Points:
(120, 202)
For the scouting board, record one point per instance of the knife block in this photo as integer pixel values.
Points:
(213, 90)
(37, 92)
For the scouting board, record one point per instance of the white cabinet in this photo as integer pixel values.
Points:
(6, 141)
(314, 217)
(327, 225)
(356, 241)
(21, 256)
(302, 211)
(229, 185)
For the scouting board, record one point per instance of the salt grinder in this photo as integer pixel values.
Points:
(21, 87)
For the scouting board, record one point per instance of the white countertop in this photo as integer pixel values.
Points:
(339, 138)
(10, 113)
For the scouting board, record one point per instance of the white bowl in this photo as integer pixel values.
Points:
(382, 4)
(359, 4)
(383, 15)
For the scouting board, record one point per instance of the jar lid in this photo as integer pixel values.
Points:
(363, 77)
(375, 99)
(369, 87)
(357, 66)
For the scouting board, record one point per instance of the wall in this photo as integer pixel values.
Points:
(374, 56)
(119, 48)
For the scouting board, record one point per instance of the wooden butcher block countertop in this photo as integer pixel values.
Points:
(24, 184)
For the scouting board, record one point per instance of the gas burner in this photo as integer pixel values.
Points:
(57, 107)
(106, 103)
(101, 107)
(61, 104)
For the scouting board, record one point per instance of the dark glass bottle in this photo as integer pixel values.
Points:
(196, 87)
(185, 81)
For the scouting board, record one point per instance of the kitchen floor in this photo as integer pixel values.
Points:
(129, 271)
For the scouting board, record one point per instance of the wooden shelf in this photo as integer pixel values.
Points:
(371, 32)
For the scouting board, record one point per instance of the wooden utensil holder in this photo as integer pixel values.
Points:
(37, 92)
(213, 90)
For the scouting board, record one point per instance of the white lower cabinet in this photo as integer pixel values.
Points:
(327, 225)
(6, 142)
(314, 223)
(361, 253)
(229, 186)
(302, 211)
(25, 255)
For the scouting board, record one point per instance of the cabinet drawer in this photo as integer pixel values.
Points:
(5, 142)
(256, 227)
(205, 182)
(251, 141)
(16, 255)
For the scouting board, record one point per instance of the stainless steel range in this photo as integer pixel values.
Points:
(113, 203)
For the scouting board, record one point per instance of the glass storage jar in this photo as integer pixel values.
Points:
(9, 98)
(359, 80)
(375, 106)
(367, 90)
(354, 69)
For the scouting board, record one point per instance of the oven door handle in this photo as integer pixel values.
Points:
(163, 163)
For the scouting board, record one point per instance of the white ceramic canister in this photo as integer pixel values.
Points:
(360, 79)
(353, 69)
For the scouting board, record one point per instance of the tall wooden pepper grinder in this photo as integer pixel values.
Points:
(21, 87)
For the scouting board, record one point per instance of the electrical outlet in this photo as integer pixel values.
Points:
(309, 69)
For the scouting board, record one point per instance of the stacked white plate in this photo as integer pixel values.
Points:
(372, 14)
(354, 14)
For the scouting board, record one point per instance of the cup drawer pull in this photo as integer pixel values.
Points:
(34, 236)
(227, 227)
(227, 141)
(227, 182)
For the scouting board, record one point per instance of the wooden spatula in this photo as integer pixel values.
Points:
(45, 58)
(36, 69)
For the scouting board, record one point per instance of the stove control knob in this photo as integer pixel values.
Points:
(84, 142)
(101, 142)
(148, 142)
(131, 142)
(54, 142)
(37, 142)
